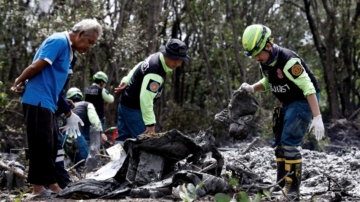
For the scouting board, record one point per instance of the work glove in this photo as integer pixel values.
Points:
(72, 125)
(318, 125)
(249, 88)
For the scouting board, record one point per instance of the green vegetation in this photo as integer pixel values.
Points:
(189, 193)
(199, 89)
(21, 195)
(241, 196)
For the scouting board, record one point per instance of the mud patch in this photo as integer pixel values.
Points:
(323, 174)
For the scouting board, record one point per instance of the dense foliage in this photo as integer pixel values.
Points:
(323, 32)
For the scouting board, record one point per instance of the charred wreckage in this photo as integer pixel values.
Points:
(158, 165)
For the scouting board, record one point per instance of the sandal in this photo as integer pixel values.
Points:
(45, 194)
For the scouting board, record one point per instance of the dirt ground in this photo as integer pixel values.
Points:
(341, 135)
(100, 200)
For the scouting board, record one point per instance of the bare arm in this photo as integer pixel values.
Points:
(313, 102)
(29, 72)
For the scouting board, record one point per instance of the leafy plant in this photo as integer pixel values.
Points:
(189, 193)
(21, 195)
(262, 194)
(221, 197)
(241, 196)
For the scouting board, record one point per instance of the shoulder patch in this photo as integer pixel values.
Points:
(153, 86)
(296, 70)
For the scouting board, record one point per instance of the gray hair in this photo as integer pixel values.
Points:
(89, 26)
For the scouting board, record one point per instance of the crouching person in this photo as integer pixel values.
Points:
(75, 145)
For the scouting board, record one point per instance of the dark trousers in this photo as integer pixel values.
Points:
(61, 175)
(42, 142)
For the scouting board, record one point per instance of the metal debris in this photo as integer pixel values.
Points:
(236, 119)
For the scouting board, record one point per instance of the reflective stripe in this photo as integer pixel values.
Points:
(291, 147)
(292, 151)
(288, 162)
(280, 159)
(59, 159)
(292, 154)
(256, 36)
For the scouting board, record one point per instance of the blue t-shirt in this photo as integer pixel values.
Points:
(46, 85)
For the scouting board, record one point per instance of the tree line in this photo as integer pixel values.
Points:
(323, 32)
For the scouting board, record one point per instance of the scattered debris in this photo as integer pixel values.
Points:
(163, 161)
(322, 173)
(117, 157)
(234, 121)
(160, 166)
(342, 134)
(94, 161)
(12, 173)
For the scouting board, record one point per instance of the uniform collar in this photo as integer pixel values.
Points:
(71, 51)
(166, 68)
(274, 57)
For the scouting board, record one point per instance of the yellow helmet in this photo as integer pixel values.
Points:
(255, 38)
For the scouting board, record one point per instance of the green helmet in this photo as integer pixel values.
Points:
(100, 76)
(255, 38)
(74, 92)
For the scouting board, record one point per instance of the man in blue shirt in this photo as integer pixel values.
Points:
(46, 77)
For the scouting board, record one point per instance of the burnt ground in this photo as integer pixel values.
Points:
(342, 134)
(336, 154)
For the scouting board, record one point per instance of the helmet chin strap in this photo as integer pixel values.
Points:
(270, 53)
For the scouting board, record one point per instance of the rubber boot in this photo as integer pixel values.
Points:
(280, 173)
(292, 181)
(280, 169)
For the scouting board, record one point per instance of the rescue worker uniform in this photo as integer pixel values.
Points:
(98, 96)
(145, 85)
(283, 75)
(295, 86)
(77, 148)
